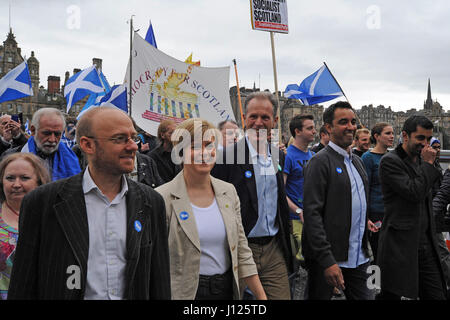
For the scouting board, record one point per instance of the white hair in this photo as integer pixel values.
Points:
(46, 111)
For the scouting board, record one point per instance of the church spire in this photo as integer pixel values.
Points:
(429, 101)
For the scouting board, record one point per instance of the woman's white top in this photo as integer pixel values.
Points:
(215, 256)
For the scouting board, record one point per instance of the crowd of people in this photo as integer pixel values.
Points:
(99, 209)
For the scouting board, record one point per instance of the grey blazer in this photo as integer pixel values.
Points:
(184, 243)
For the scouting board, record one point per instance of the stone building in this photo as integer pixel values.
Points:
(368, 115)
(52, 96)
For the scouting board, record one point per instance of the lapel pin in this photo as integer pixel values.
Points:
(338, 170)
(184, 215)
(248, 174)
(137, 226)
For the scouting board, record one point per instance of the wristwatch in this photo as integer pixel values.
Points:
(298, 211)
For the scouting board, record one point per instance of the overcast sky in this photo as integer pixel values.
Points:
(381, 52)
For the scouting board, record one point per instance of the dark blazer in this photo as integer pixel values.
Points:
(54, 234)
(407, 194)
(234, 171)
(327, 208)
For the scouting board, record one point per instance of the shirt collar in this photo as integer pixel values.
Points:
(341, 151)
(253, 153)
(89, 184)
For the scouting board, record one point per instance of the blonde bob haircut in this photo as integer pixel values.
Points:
(193, 132)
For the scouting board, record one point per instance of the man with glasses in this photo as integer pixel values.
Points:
(47, 126)
(98, 235)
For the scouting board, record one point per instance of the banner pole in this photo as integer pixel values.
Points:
(131, 62)
(276, 83)
(239, 94)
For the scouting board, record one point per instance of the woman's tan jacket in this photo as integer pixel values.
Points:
(184, 243)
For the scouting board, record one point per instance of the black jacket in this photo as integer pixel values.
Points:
(327, 208)
(166, 168)
(440, 203)
(235, 173)
(54, 234)
(406, 188)
(16, 144)
(148, 171)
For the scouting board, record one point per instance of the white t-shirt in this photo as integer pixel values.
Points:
(215, 257)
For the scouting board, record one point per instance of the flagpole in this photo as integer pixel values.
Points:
(131, 62)
(276, 82)
(239, 94)
(359, 120)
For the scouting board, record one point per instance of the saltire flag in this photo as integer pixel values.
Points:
(27, 127)
(189, 60)
(319, 87)
(117, 97)
(150, 36)
(16, 83)
(81, 84)
(96, 97)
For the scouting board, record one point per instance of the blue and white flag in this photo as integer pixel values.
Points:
(117, 97)
(96, 97)
(81, 84)
(27, 127)
(16, 84)
(319, 87)
(150, 36)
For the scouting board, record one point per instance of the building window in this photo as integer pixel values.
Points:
(10, 107)
(9, 59)
(19, 108)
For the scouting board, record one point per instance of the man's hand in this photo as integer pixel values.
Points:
(428, 154)
(333, 276)
(371, 226)
(145, 147)
(14, 128)
(282, 148)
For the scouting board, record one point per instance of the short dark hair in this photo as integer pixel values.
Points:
(328, 115)
(323, 130)
(297, 122)
(412, 122)
(263, 95)
(221, 124)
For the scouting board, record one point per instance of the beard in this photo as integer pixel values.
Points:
(47, 148)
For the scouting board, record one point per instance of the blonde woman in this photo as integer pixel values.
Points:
(209, 254)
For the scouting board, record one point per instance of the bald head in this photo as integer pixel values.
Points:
(95, 117)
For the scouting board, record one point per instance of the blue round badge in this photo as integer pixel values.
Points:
(248, 174)
(184, 215)
(137, 226)
(338, 170)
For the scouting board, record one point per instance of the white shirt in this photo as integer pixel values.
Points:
(107, 241)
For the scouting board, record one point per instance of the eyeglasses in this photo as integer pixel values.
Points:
(436, 147)
(120, 139)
